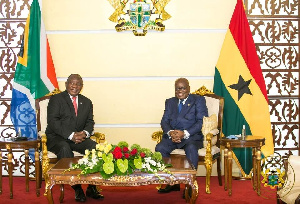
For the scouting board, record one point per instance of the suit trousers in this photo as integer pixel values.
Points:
(191, 147)
(63, 148)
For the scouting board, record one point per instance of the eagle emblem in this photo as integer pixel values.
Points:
(139, 15)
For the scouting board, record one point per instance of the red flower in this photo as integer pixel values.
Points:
(143, 154)
(117, 149)
(133, 152)
(126, 155)
(118, 155)
(125, 149)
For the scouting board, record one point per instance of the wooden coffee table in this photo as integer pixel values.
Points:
(182, 171)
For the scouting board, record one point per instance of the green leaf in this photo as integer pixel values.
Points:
(108, 157)
(138, 163)
(108, 167)
(122, 165)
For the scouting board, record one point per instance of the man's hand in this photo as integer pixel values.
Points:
(176, 135)
(79, 137)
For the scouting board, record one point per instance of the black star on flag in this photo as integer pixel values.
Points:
(242, 87)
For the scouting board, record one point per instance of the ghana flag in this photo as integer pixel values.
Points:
(238, 78)
(34, 76)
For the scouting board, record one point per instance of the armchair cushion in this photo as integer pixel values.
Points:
(212, 105)
(201, 152)
(43, 113)
(210, 125)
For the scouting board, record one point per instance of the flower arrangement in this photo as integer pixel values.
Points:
(110, 160)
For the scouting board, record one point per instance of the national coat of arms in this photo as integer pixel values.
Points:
(139, 15)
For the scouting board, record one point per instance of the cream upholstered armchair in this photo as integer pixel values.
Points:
(211, 129)
(290, 192)
(49, 158)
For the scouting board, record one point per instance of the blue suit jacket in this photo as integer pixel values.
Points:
(190, 118)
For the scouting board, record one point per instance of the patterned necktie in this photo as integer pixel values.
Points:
(75, 104)
(180, 105)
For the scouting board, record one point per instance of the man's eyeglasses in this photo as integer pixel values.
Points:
(180, 88)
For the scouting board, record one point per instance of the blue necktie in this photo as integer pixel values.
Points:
(180, 106)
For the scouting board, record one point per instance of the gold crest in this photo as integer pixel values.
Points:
(139, 15)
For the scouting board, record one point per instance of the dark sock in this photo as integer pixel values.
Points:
(77, 186)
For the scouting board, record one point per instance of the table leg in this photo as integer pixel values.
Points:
(230, 172)
(10, 167)
(49, 194)
(62, 193)
(27, 169)
(258, 157)
(195, 190)
(0, 172)
(226, 168)
(37, 172)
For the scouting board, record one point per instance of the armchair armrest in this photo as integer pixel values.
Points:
(98, 137)
(157, 136)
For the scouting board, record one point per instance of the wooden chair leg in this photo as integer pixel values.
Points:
(219, 170)
(208, 166)
(62, 193)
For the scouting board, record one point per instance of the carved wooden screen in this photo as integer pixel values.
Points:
(275, 28)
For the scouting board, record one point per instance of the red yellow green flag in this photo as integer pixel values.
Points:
(238, 78)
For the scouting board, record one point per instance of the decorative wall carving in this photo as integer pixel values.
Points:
(275, 28)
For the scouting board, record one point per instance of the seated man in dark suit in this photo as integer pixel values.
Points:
(181, 124)
(70, 124)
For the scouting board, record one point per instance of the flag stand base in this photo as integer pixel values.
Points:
(241, 178)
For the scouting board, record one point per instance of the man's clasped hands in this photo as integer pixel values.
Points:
(176, 135)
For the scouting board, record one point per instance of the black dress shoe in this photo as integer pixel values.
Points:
(79, 195)
(92, 192)
(170, 188)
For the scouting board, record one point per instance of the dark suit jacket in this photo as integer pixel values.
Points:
(190, 118)
(61, 117)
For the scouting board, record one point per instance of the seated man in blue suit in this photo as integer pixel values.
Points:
(182, 124)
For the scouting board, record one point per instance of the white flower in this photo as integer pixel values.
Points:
(162, 167)
(94, 161)
(83, 161)
(152, 162)
(148, 166)
(147, 159)
(90, 165)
